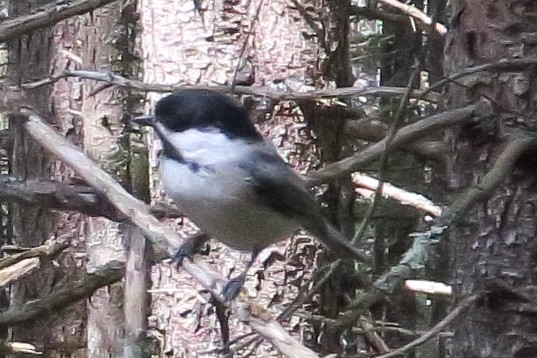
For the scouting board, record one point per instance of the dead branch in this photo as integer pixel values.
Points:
(403, 196)
(136, 297)
(417, 14)
(165, 241)
(404, 136)
(518, 144)
(17, 270)
(374, 14)
(261, 321)
(118, 80)
(56, 13)
(68, 196)
(502, 65)
(18, 348)
(366, 129)
(461, 307)
(56, 195)
(48, 249)
(372, 336)
(78, 288)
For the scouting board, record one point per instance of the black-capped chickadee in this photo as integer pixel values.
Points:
(232, 182)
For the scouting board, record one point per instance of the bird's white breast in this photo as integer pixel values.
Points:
(217, 196)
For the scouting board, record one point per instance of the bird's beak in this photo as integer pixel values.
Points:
(144, 120)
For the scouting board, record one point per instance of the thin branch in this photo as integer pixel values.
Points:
(68, 196)
(375, 14)
(48, 249)
(118, 80)
(461, 307)
(518, 144)
(241, 58)
(372, 336)
(404, 136)
(78, 288)
(27, 23)
(417, 14)
(17, 270)
(367, 129)
(405, 197)
(272, 331)
(55, 195)
(502, 65)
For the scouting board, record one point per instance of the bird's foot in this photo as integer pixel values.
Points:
(189, 248)
(233, 287)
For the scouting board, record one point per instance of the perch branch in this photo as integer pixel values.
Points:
(163, 238)
(27, 23)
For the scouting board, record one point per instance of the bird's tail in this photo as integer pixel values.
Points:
(334, 240)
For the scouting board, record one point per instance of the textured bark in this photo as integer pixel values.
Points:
(494, 246)
(103, 238)
(62, 334)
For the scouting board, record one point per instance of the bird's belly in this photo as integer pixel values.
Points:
(224, 207)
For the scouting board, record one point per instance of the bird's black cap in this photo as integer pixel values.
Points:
(202, 109)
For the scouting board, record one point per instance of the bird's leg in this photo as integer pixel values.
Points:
(233, 286)
(190, 247)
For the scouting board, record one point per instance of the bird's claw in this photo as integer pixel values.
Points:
(189, 248)
(233, 287)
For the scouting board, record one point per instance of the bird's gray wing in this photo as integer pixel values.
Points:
(278, 187)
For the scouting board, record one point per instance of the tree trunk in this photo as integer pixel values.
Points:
(101, 112)
(494, 245)
(31, 58)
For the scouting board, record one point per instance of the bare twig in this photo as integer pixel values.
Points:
(240, 60)
(77, 288)
(517, 145)
(48, 249)
(502, 65)
(272, 331)
(374, 131)
(14, 272)
(27, 23)
(405, 135)
(372, 336)
(461, 307)
(118, 80)
(417, 14)
(403, 196)
(67, 196)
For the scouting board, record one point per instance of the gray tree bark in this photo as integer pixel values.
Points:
(494, 246)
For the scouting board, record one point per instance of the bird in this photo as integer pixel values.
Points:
(231, 181)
